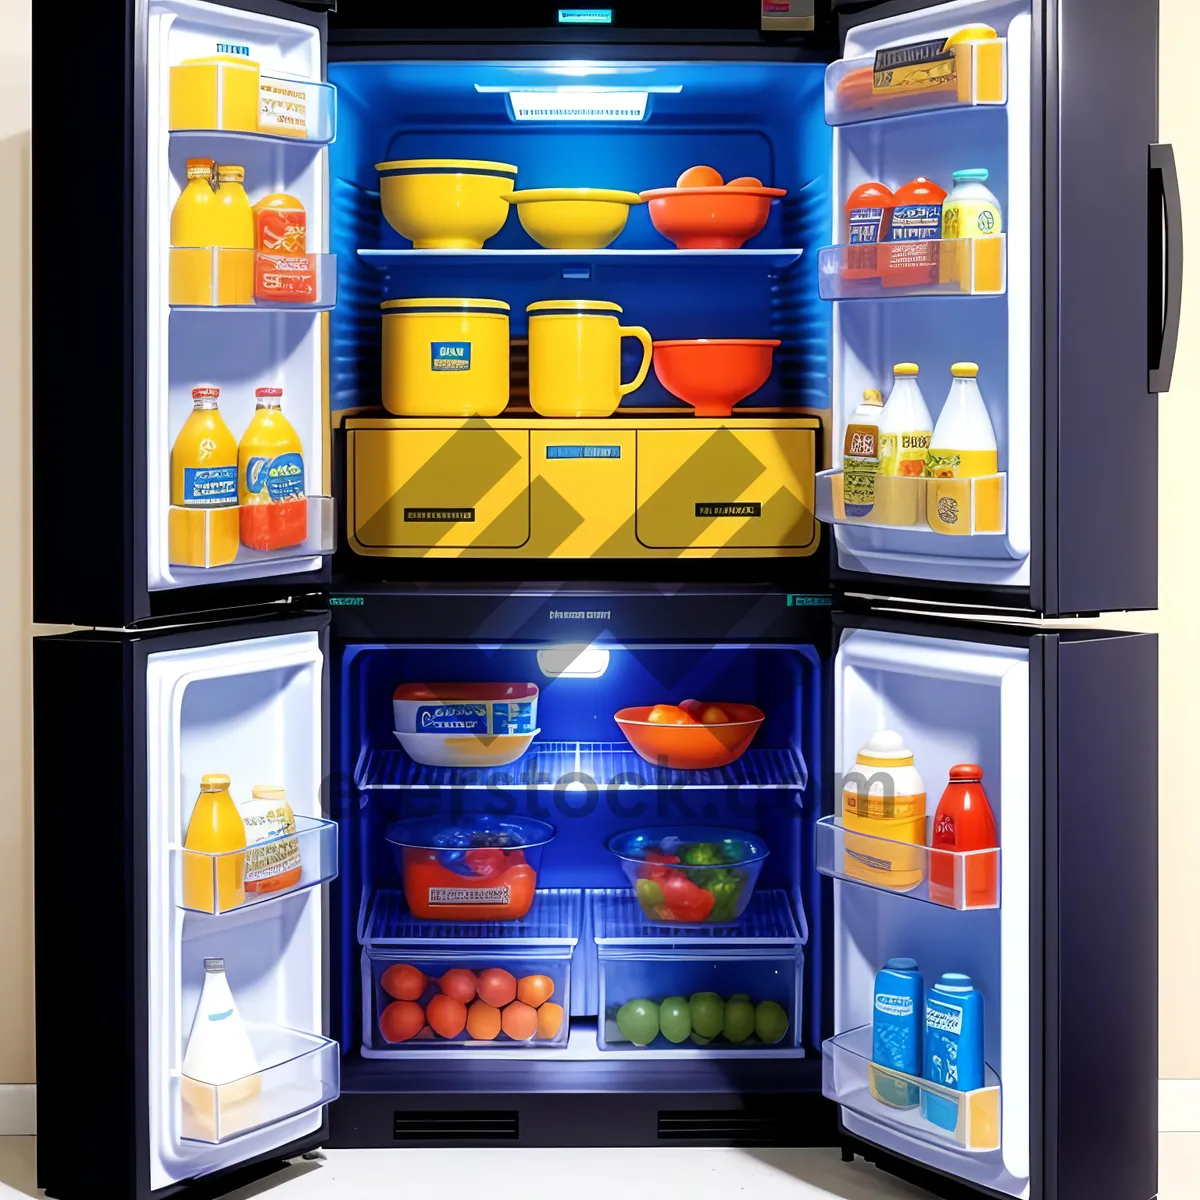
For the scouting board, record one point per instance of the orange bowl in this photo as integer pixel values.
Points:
(691, 747)
(713, 374)
(710, 218)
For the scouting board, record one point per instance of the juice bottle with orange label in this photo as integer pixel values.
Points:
(274, 512)
(214, 875)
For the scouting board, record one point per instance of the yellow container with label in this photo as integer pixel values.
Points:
(445, 357)
(575, 357)
(220, 91)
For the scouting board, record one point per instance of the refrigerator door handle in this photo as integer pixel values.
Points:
(1166, 258)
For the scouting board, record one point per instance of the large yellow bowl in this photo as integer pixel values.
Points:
(573, 218)
(446, 203)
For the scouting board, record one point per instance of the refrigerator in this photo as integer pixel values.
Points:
(613, 563)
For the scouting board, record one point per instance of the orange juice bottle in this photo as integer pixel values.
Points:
(194, 226)
(204, 457)
(216, 828)
(274, 512)
(235, 238)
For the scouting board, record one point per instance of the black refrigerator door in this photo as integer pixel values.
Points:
(1069, 307)
(1056, 926)
(165, 319)
(249, 701)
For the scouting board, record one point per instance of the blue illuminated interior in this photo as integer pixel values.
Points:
(785, 682)
(743, 118)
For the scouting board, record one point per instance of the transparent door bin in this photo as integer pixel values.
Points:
(222, 883)
(971, 73)
(952, 879)
(950, 267)
(298, 1072)
(759, 975)
(505, 1024)
(204, 278)
(954, 507)
(937, 1115)
(237, 98)
(212, 537)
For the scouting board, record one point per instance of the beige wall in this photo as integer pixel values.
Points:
(1178, 620)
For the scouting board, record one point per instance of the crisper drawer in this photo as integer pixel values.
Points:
(440, 999)
(644, 487)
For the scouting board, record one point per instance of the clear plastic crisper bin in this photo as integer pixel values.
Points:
(961, 880)
(297, 1073)
(203, 277)
(896, 82)
(968, 1120)
(227, 93)
(706, 1001)
(469, 999)
(952, 267)
(217, 537)
(279, 866)
(955, 507)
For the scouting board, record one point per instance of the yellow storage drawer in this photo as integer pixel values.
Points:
(727, 488)
(465, 487)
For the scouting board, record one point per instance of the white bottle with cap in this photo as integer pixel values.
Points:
(860, 458)
(964, 442)
(905, 428)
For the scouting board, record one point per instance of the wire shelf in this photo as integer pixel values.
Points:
(617, 919)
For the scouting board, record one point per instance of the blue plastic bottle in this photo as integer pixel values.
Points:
(953, 1045)
(896, 1031)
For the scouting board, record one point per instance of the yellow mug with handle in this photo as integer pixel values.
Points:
(575, 357)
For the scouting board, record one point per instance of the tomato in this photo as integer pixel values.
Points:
(656, 864)
(684, 898)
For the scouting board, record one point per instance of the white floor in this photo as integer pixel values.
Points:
(648, 1174)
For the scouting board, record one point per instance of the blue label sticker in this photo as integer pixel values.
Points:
(210, 486)
(514, 717)
(583, 451)
(452, 718)
(450, 356)
(281, 476)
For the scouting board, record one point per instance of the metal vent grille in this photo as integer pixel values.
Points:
(736, 1126)
(470, 1125)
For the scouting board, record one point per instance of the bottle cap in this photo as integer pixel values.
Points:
(229, 174)
(971, 175)
(269, 791)
(264, 393)
(964, 370)
(901, 370)
(206, 391)
(887, 745)
(953, 982)
(967, 772)
(873, 396)
(214, 783)
(901, 964)
(214, 966)
(200, 168)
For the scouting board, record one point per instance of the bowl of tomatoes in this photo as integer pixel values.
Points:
(695, 735)
(701, 873)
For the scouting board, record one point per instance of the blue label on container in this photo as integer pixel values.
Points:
(281, 476)
(513, 717)
(450, 356)
(916, 222)
(210, 486)
(452, 718)
(583, 451)
(866, 225)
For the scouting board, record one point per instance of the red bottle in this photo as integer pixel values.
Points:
(912, 257)
(964, 822)
(868, 222)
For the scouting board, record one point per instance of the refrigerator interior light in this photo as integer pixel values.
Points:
(579, 104)
(572, 662)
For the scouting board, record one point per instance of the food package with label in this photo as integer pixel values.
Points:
(282, 108)
(286, 278)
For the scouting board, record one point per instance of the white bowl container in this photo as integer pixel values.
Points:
(480, 709)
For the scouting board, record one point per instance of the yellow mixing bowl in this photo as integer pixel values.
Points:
(445, 203)
(445, 357)
(573, 218)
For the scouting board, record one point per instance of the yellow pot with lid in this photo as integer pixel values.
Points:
(445, 357)
(446, 203)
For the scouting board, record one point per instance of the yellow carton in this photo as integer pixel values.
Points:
(220, 91)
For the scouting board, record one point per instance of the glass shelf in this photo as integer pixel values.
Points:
(955, 507)
(961, 880)
(216, 883)
(211, 537)
(973, 73)
(938, 1115)
(894, 270)
(549, 765)
(617, 920)
(307, 106)
(215, 278)
(298, 1072)
(554, 919)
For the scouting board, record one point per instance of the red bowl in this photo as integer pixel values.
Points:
(710, 218)
(691, 747)
(713, 374)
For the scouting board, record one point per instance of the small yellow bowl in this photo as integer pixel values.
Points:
(445, 203)
(573, 218)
